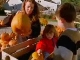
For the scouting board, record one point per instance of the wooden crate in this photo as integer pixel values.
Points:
(12, 53)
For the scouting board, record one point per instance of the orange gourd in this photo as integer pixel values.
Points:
(4, 40)
(5, 36)
(59, 30)
(21, 24)
(43, 21)
(35, 56)
(12, 42)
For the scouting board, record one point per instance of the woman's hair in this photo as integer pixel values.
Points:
(67, 11)
(49, 29)
(35, 13)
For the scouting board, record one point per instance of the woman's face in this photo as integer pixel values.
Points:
(29, 6)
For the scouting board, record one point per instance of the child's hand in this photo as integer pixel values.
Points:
(35, 55)
(39, 51)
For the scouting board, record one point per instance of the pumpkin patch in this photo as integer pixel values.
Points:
(43, 21)
(10, 40)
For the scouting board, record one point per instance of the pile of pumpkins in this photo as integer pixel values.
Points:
(43, 21)
(7, 40)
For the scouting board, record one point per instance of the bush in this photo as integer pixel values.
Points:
(2, 11)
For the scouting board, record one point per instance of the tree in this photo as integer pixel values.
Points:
(2, 2)
(76, 3)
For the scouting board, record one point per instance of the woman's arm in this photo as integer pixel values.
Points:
(8, 19)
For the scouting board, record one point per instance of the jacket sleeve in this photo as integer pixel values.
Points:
(36, 28)
(41, 45)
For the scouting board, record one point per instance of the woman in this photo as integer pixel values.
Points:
(31, 9)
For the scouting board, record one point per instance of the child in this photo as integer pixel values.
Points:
(47, 43)
(60, 27)
(68, 41)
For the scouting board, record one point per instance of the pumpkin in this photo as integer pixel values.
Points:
(43, 21)
(12, 42)
(59, 30)
(4, 43)
(12, 35)
(5, 36)
(21, 24)
(35, 56)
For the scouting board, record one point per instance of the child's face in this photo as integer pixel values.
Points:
(59, 20)
(49, 35)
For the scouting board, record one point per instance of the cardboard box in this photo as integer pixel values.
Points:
(12, 53)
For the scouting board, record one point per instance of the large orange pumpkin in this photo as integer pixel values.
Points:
(21, 24)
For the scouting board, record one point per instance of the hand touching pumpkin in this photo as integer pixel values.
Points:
(35, 56)
(21, 24)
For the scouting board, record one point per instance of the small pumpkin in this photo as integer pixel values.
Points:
(59, 30)
(35, 56)
(4, 43)
(5, 36)
(43, 21)
(12, 42)
(21, 24)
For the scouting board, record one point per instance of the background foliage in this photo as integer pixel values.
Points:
(1, 7)
(76, 3)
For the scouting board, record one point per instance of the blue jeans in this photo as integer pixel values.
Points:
(46, 54)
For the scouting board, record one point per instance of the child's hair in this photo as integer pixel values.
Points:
(49, 29)
(67, 11)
